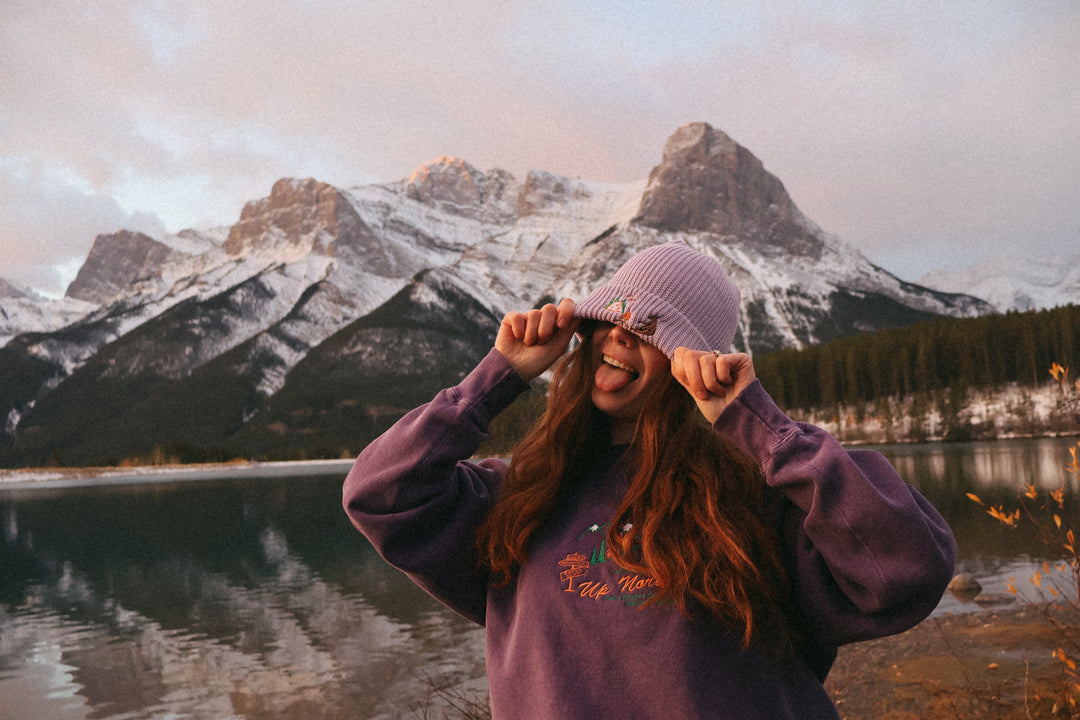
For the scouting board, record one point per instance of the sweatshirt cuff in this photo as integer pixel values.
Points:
(491, 386)
(754, 423)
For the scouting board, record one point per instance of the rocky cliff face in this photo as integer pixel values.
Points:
(117, 262)
(453, 186)
(325, 312)
(708, 183)
(301, 217)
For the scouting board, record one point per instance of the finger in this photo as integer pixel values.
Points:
(515, 322)
(723, 369)
(735, 371)
(707, 364)
(546, 327)
(689, 373)
(532, 327)
(565, 312)
(677, 365)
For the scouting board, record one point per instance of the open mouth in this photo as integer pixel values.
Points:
(613, 375)
(621, 366)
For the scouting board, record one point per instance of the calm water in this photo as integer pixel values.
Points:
(255, 598)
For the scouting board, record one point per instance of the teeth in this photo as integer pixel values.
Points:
(615, 363)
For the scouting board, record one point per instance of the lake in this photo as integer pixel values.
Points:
(249, 597)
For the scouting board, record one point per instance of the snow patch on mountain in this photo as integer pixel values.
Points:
(1010, 283)
(24, 311)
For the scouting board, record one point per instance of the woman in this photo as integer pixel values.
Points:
(665, 543)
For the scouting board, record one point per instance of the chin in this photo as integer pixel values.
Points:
(615, 406)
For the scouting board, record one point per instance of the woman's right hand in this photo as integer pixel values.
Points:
(532, 341)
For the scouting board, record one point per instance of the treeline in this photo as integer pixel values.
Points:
(954, 354)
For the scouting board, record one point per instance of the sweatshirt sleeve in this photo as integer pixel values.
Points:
(415, 496)
(872, 555)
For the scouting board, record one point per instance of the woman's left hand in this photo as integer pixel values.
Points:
(712, 380)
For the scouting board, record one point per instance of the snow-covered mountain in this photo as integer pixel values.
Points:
(1014, 284)
(23, 310)
(325, 312)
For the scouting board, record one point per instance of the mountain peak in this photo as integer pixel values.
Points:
(452, 185)
(301, 215)
(115, 263)
(442, 166)
(448, 182)
(706, 182)
(697, 138)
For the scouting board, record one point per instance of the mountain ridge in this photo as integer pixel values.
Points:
(1014, 284)
(312, 276)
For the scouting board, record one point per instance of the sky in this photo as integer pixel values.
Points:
(928, 135)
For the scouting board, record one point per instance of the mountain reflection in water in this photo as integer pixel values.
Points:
(224, 599)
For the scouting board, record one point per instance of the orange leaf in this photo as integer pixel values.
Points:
(975, 497)
(999, 514)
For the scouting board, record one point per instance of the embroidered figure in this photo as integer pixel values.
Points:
(620, 304)
(576, 565)
(646, 327)
(595, 527)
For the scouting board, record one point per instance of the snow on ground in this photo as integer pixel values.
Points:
(57, 478)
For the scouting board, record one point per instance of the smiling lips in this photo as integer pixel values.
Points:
(613, 375)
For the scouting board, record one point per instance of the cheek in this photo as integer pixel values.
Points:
(658, 371)
(657, 363)
(655, 381)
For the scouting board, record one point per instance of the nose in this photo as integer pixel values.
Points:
(623, 336)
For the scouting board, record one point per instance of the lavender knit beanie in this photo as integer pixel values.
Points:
(670, 296)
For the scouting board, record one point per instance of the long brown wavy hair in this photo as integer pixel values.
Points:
(700, 522)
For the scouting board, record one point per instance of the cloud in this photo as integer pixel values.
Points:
(893, 124)
(918, 126)
(47, 225)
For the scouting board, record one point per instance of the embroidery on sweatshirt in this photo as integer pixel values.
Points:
(588, 576)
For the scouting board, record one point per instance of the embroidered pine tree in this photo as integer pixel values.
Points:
(576, 565)
(599, 554)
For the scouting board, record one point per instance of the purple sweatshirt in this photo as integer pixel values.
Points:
(568, 639)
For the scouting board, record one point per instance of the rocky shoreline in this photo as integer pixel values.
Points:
(59, 478)
(995, 663)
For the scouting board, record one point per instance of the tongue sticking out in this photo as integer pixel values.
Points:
(612, 379)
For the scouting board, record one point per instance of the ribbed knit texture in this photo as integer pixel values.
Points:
(670, 296)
